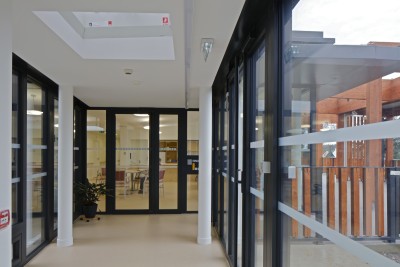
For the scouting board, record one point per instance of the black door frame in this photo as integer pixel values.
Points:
(26, 72)
(153, 155)
(258, 23)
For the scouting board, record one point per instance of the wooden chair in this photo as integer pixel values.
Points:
(121, 180)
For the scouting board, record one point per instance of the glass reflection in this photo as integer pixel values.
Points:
(192, 150)
(225, 151)
(36, 175)
(96, 150)
(132, 162)
(339, 77)
(55, 188)
(168, 162)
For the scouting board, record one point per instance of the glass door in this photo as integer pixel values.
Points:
(168, 162)
(132, 161)
(256, 168)
(239, 150)
(143, 163)
(36, 170)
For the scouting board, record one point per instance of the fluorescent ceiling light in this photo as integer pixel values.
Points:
(160, 132)
(147, 127)
(141, 115)
(34, 112)
(391, 76)
(56, 125)
(94, 128)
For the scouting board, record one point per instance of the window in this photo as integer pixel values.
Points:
(339, 147)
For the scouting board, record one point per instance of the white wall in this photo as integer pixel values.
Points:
(5, 119)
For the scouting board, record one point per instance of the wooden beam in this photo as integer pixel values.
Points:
(356, 97)
(391, 90)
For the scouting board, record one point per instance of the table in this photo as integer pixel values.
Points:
(134, 174)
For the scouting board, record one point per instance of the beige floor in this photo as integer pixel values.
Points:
(134, 240)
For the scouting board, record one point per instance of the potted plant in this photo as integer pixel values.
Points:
(88, 195)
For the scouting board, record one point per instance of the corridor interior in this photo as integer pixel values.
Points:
(134, 240)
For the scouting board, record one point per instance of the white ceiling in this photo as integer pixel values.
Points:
(154, 83)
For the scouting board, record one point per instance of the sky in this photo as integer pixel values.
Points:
(351, 22)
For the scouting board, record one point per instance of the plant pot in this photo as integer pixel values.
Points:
(90, 211)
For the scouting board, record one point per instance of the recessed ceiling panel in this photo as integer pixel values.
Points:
(110, 35)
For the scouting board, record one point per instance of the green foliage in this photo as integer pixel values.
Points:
(89, 193)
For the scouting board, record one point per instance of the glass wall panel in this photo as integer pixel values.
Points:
(312, 253)
(36, 173)
(168, 171)
(225, 171)
(132, 161)
(341, 109)
(193, 133)
(220, 166)
(14, 203)
(257, 150)
(96, 150)
(78, 173)
(16, 146)
(55, 185)
(15, 108)
(240, 110)
(192, 152)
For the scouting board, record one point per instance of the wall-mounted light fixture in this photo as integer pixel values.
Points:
(206, 46)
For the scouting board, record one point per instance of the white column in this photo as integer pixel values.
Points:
(204, 215)
(65, 165)
(5, 119)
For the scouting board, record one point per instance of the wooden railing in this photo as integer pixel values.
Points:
(351, 200)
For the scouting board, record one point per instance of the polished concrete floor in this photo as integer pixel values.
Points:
(134, 240)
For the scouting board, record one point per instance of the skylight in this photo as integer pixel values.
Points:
(110, 35)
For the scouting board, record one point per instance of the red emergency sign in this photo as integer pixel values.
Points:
(4, 218)
(165, 20)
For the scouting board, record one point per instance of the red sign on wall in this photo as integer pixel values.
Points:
(165, 20)
(4, 218)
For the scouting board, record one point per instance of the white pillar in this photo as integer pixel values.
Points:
(5, 119)
(65, 165)
(204, 214)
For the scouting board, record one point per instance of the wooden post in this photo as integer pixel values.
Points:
(373, 151)
(344, 174)
(355, 201)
